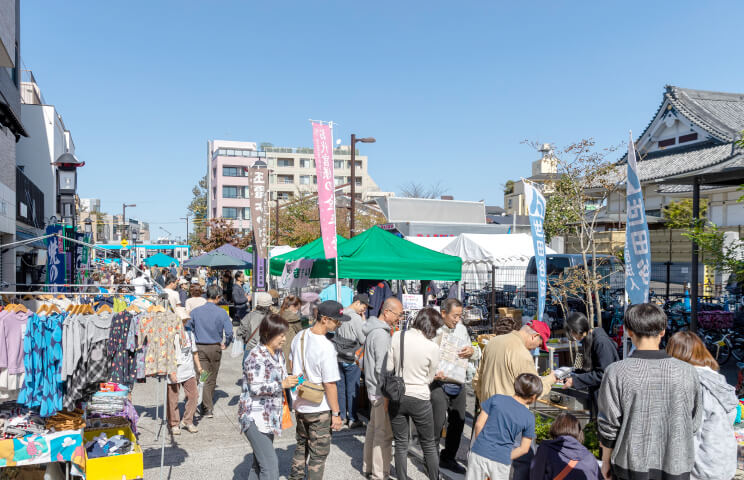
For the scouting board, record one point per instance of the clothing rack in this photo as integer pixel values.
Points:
(162, 298)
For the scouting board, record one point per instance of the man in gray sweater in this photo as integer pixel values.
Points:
(378, 443)
(650, 406)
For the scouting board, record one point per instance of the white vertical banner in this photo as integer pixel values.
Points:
(536, 209)
(637, 241)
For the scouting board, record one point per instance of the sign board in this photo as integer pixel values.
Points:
(124, 243)
(296, 274)
(412, 301)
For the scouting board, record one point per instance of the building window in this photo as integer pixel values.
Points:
(230, 172)
(284, 195)
(338, 181)
(688, 138)
(358, 181)
(285, 162)
(233, 192)
(338, 164)
(230, 213)
(305, 179)
(315, 179)
(305, 163)
(285, 179)
(667, 143)
(358, 163)
(247, 213)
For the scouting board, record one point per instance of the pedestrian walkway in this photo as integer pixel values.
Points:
(220, 451)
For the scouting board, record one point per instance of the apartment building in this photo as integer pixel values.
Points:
(292, 172)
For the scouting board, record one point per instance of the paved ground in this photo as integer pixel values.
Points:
(220, 451)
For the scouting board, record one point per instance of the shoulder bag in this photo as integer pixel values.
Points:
(393, 386)
(308, 391)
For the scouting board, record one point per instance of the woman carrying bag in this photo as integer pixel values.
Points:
(262, 402)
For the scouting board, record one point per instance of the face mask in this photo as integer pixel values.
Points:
(536, 352)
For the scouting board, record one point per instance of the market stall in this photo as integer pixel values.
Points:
(313, 250)
(161, 260)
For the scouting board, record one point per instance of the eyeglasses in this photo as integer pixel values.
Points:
(397, 314)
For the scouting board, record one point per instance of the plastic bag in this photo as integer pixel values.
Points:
(237, 348)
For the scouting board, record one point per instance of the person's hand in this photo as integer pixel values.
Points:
(290, 381)
(222, 346)
(466, 352)
(336, 423)
(553, 379)
(173, 378)
(606, 470)
(440, 376)
(568, 383)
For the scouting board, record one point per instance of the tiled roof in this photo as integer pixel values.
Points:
(719, 113)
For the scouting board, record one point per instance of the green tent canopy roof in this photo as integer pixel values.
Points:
(377, 254)
(321, 269)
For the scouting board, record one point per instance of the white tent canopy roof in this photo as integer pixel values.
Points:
(498, 250)
(432, 243)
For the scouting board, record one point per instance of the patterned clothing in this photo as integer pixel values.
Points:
(42, 361)
(263, 397)
(313, 445)
(158, 331)
(92, 367)
(121, 360)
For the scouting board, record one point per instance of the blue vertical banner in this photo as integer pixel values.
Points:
(536, 209)
(637, 242)
(55, 256)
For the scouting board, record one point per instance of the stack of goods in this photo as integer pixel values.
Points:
(66, 421)
(102, 446)
(17, 421)
(111, 402)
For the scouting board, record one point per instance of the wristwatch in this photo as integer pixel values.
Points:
(336, 414)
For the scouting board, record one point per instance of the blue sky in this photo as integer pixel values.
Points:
(449, 89)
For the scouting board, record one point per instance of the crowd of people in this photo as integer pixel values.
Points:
(659, 413)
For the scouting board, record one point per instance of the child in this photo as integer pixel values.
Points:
(502, 422)
(564, 456)
(188, 365)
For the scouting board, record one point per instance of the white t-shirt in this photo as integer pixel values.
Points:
(139, 285)
(173, 297)
(185, 357)
(320, 364)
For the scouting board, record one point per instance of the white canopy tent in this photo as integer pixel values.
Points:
(280, 250)
(481, 252)
(432, 243)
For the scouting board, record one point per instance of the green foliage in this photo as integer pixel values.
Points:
(591, 436)
(679, 213)
(561, 216)
(716, 253)
(509, 187)
(198, 208)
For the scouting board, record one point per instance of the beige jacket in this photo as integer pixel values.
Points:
(504, 358)
(420, 361)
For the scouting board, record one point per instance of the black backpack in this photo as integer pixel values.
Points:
(393, 386)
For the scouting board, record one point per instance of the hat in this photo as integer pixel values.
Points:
(542, 329)
(195, 281)
(333, 309)
(182, 281)
(362, 298)
(263, 299)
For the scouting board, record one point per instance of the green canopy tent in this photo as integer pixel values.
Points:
(377, 254)
(322, 268)
(161, 260)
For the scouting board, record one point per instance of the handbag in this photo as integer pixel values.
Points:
(308, 391)
(393, 386)
(286, 414)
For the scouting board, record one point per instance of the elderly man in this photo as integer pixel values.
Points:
(378, 443)
(448, 400)
(504, 359)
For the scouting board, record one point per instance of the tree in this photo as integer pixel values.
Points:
(418, 190)
(679, 213)
(198, 208)
(217, 232)
(509, 187)
(586, 179)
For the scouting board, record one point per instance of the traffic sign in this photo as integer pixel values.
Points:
(124, 243)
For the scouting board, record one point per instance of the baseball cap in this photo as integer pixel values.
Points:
(263, 299)
(333, 309)
(542, 329)
(362, 298)
(182, 281)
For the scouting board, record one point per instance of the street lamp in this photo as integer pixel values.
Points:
(66, 172)
(124, 216)
(354, 141)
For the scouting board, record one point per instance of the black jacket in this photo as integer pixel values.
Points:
(603, 352)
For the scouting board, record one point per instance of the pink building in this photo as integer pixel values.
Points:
(227, 181)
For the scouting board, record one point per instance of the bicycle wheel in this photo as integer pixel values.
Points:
(719, 347)
(737, 350)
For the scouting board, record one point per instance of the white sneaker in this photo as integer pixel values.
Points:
(175, 431)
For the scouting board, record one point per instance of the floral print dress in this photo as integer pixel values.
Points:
(263, 397)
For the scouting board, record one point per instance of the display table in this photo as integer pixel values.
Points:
(64, 446)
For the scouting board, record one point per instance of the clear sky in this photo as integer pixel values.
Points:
(449, 89)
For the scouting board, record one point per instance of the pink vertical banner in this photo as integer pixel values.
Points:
(322, 140)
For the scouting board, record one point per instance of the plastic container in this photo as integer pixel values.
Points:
(117, 467)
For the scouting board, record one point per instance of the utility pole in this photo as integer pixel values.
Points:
(276, 219)
(352, 214)
(124, 216)
(187, 227)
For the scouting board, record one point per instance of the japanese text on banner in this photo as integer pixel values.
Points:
(637, 241)
(257, 183)
(536, 207)
(322, 140)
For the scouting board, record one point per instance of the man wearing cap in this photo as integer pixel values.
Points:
(183, 291)
(314, 360)
(248, 330)
(349, 340)
(504, 359)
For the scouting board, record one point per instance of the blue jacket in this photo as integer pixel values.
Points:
(554, 455)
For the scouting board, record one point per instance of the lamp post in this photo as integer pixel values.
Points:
(124, 216)
(187, 227)
(67, 165)
(354, 141)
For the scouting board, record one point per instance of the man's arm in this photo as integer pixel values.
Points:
(522, 449)
(332, 395)
(480, 423)
(227, 326)
(524, 364)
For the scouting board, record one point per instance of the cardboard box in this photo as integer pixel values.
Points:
(515, 313)
(128, 466)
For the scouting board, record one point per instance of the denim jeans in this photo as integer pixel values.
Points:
(420, 412)
(348, 390)
(265, 462)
